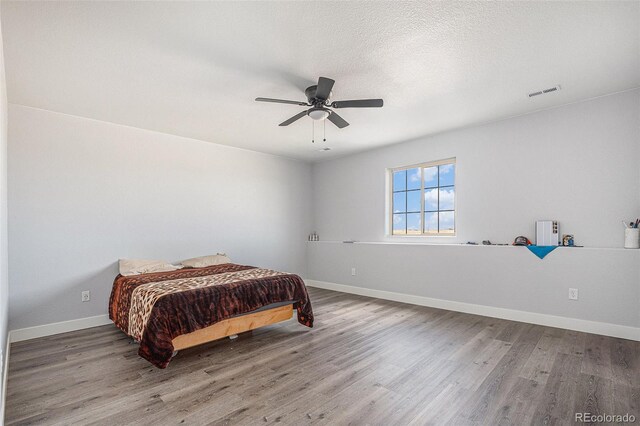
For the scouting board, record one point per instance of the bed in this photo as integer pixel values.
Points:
(169, 311)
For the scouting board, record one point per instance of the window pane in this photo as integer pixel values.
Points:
(399, 224)
(413, 223)
(430, 177)
(434, 213)
(399, 202)
(413, 201)
(431, 222)
(447, 174)
(400, 180)
(447, 197)
(431, 199)
(413, 178)
(446, 223)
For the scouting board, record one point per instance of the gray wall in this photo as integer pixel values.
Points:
(502, 277)
(579, 164)
(4, 279)
(84, 193)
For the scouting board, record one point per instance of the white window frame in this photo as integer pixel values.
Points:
(422, 166)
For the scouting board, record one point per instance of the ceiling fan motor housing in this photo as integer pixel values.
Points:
(310, 93)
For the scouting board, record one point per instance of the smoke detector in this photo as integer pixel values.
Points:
(544, 91)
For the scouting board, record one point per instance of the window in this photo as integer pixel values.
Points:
(423, 199)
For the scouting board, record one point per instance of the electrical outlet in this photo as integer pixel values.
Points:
(573, 294)
(86, 296)
(353, 272)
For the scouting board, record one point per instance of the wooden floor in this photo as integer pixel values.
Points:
(366, 361)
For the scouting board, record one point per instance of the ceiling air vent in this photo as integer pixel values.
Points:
(544, 91)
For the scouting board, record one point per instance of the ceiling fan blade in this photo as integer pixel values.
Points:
(359, 103)
(337, 120)
(324, 88)
(281, 101)
(294, 118)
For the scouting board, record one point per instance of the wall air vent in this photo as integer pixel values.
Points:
(545, 91)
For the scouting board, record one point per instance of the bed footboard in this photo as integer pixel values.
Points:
(233, 326)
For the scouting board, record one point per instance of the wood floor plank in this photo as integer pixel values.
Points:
(594, 395)
(625, 399)
(597, 356)
(542, 358)
(559, 394)
(519, 404)
(625, 358)
(494, 391)
(366, 361)
(572, 343)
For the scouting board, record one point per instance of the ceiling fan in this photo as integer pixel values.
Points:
(318, 99)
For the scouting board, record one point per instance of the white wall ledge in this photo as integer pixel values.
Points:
(409, 243)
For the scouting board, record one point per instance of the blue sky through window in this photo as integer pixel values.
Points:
(424, 200)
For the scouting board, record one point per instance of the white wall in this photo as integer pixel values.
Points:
(579, 164)
(4, 278)
(84, 193)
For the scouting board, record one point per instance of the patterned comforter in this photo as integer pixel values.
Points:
(155, 308)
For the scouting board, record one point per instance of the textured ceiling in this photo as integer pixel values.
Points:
(193, 69)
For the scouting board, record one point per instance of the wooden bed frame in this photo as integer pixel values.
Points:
(233, 326)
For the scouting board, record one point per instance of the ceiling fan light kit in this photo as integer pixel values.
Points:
(318, 113)
(318, 99)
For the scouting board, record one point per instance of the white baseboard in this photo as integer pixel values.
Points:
(5, 374)
(58, 327)
(606, 329)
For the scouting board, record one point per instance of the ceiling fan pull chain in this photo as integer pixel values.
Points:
(324, 130)
(313, 130)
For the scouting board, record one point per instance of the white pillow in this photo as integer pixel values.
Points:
(144, 266)
(201, 262)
